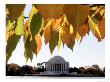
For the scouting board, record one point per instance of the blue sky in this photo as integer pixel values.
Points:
(86, 53)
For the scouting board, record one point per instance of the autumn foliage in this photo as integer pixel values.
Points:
(57, 23)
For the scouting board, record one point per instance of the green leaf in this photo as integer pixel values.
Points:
(53, 41)
(31, 44)
(30, 48)
(59, 43)
(32, 12)
(25, 36)
(11, 45)
(71, 45)
(36, 24)
(34, 46)
(19, 30)
(15, 10)
(28, 54)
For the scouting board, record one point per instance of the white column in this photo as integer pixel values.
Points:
(61, 67)
(53, 66)
(50, 66)
(64, 66)
(47, 67)
(56, 66)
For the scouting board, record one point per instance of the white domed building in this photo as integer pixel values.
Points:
(57, 66)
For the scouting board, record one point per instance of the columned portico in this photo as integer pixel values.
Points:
(57, 65)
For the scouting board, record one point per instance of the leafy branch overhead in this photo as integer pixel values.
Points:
(57, 23)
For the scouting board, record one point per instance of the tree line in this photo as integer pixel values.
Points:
(16, 70)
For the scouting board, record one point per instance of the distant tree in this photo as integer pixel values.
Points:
(13, 69)
(27, 69)
(96, 66)
(41, 67)
(90, 71)
(77, 70)
(103, 70)
(74, 70)
(71, 69)
(94, 70)
(100, 73)
(34, 70)
(82, 69)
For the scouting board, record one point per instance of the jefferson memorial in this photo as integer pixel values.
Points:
(56, 66)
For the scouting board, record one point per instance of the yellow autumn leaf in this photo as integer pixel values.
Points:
(94, 8)
(56, 23)
(71, 29)
(78, 37)
(47, 31)
(102, 12)
(7, 12)
(96, 11)
(7, 35)
(32, 12)
(19, 30)
(94, 28)
(9, 25)
(65, 36)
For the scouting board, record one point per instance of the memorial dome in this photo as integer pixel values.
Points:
(57, 59)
